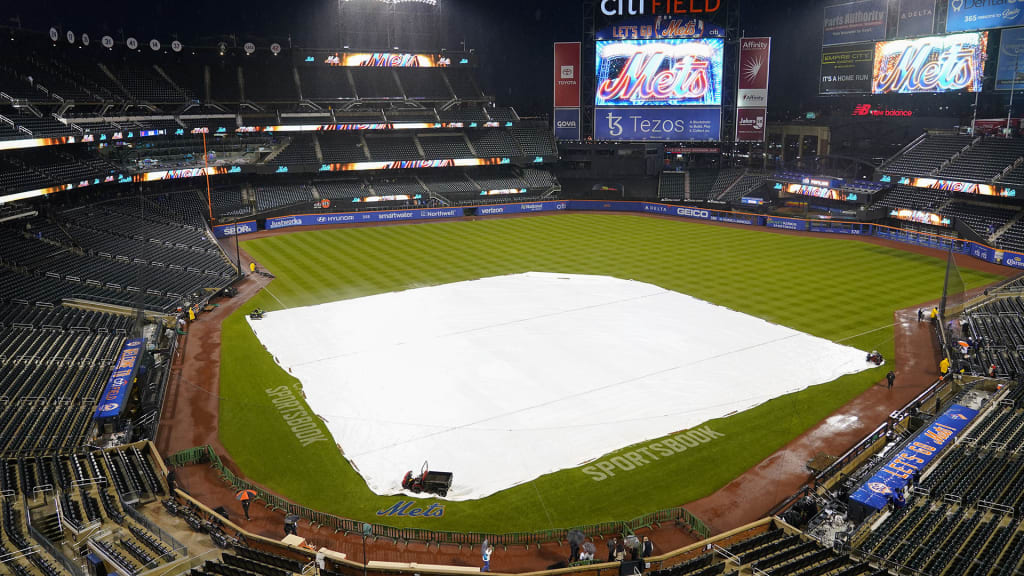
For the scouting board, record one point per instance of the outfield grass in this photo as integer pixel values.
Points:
(839, 289)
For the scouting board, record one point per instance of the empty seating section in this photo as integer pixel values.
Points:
(392, 147)
(498, 180)
(444, 146)
(747, 184)
(375, 83)
(343, 148)
(143, 83)
(984, 220)
(396, 186)
(672, 186)
(902, 196)
(701, 181)
(227, 201)
(1000, 323)
(927, 155)
(51, 378)
(424, 84)
(493, 143)
(300, 150)
(985, 160)
(1013, 237)
(269, 197)
(768, 552)
(538, 179)
(115, 253)
(463, 83)
(269, 80)
(326, 84)
(534, 140)
(341, 189)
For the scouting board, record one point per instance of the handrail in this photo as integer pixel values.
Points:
(206, 454)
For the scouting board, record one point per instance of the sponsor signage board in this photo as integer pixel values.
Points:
(846, 69)
(657, 124)
(862, 21)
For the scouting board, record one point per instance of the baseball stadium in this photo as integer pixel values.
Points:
(437, 287)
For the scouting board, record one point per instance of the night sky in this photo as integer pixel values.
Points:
(512, 39)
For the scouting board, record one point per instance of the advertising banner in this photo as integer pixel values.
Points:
(785, 223)
(917, 18)
(228, 230)
(692, 212)
(111, 403)
(846, 69)
(567, 124)
(567, 75)
(351, 217)
(660, 72)
(963, 15)
(521, 208)
(755, 57)
(1011, 50)
(657, 124)
(750, 124)
(932, 64)
(914, 457)
(862, 21)
(660, 27)
(981, 252)
(961, 187)
(920, 216)
(386, 60)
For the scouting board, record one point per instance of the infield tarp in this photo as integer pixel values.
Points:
(915, 456)
(502, 380)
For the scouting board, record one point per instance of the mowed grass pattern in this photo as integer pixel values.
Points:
(840, 289)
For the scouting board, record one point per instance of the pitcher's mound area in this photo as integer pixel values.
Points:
(504, 379)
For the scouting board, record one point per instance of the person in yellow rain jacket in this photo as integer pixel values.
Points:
(944, 366)
(252, 267)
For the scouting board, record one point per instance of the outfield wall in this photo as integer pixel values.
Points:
(960, 246)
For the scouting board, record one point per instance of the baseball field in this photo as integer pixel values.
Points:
(839, 289)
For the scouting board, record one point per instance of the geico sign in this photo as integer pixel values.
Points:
(640, 7)
(692, 213)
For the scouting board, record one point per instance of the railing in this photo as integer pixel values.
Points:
(206, 455)
(176, 546)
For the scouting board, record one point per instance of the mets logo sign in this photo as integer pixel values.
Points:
(879, 488)
(408, 509)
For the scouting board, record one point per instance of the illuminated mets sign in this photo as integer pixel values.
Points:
(660, 73)
(932, 64)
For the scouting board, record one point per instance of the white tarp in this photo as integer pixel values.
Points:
(504, 379)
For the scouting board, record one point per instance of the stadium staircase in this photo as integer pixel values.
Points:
(1009, 224)
(729, 188)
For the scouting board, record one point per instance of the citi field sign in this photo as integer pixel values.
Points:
(656, 7)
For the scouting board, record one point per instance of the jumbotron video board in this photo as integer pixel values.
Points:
(928, 65)
(931, 64)
(667, 89)
(678, 72)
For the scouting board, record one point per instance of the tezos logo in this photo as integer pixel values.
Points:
(614, 124)
(568, 72)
